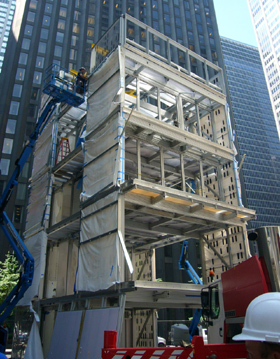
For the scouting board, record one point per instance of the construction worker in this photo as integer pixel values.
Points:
(261, 330)
(81, 81)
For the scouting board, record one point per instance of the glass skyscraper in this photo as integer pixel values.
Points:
(255, 132)
(7, 9)
(266, 19)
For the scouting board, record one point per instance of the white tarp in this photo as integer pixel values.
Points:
(80, 334)
(43, 150)
(102, 102)
(34, 346)
(98, 266)
(101, 154)
(37, 246)
(37, 202)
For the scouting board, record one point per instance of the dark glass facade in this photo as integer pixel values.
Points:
(255, 132)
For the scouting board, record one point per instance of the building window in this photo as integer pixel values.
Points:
(20, 74)
(44, 34)
(91, 20)
(76, 28)
(42, 47)
(40, 62)
(46, 20)
(14, 107)
(17, 214)
(21, 191)
(176, 11)
(37, 78)
(34, 93)
(59, 37)
(167, 29)
(61, 24)
(22, 58)
(77, 15)
(73, 54)
(28, 30)
(166, 18)
(11, 127)
(64, 2)
(17, 90)
(48, 8)
(25, 44)
(32, 111)
(74, 40)
(31, 16)
(90, 32)
(33, 4)
(62, 12)
(4, 166)
(58, 51)
(7, 146)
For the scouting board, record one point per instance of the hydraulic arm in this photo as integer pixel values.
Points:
(60, 90)
(184, 264)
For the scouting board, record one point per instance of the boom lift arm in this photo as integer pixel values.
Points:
(184, 264)
(60, 90)
(24, 257)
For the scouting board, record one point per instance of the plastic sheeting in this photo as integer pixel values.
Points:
(80, 334)
(34, 347)
(37, 246)
(98, 266)
(38, 202)
(101, 158)
(42, 153)
(102, 103)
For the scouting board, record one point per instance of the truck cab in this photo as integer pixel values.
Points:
(224, 302)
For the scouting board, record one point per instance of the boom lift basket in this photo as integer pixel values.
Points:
(62, 85)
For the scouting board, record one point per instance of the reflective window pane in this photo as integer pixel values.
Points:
(20, 74)
(11, 126)
(4, 166)
(7, 146)
(17, 90)
(14, 107)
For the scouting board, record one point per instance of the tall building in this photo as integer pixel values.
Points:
(255, 132)
(47, 32)
(265, 17)
(7, 9)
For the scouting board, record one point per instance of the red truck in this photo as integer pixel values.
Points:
(224, 303)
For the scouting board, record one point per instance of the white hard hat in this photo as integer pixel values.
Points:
(262, 320)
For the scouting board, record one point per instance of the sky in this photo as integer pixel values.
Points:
(234, 21)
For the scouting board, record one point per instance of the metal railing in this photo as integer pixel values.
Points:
(128, 30)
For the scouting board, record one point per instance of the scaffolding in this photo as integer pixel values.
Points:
(155, 166)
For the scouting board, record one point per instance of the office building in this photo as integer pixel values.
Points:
(7, 9)
(255, 130)
(265, 17)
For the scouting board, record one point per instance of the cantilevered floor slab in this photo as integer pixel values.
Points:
(157, 215)
(157, 295)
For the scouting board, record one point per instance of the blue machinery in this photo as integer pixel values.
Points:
(184, 264)
(60, 89)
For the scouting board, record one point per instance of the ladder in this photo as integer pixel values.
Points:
(63, 149)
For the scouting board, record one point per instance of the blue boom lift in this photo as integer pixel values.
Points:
(184, 264)
(60, 89)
